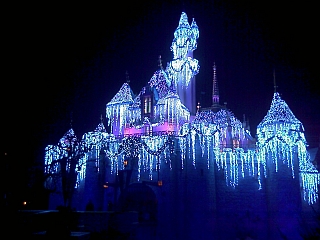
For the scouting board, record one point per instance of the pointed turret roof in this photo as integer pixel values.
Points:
(181, 36)
(183, 22)
(160, 82)
(194, 34)
(194, 28)
(100, 128)
(125, 95)
(68, 138)
(279, 112)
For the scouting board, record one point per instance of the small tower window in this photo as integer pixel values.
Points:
(147, 105)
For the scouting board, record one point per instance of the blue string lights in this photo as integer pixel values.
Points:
(117, 108)
(223, 141)
(281, 138)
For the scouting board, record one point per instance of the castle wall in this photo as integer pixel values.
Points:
(284, 198)
(195, 202)
(185, 200)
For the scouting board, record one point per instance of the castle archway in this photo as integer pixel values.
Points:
(141, 198)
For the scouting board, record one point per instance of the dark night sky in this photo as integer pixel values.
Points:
(71, 60)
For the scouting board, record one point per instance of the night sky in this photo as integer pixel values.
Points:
(65, 63)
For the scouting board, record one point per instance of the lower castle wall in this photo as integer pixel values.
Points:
(195, 202)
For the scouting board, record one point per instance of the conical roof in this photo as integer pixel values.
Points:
(160, 82)
(68, 138)
(125, 95)
(183, 22)
(100, 128)
(279, 112)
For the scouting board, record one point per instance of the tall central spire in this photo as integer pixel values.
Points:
(215, 89)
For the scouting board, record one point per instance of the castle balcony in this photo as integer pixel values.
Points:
(155, 133)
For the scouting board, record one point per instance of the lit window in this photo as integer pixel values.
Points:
(224, 143)
(148, 130)
(147, 105)
(236, 143)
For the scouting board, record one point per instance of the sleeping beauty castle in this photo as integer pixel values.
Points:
(196, 173)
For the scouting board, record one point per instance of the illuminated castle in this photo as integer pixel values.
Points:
(167, 157)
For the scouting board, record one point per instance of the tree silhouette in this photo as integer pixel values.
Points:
(63, 164)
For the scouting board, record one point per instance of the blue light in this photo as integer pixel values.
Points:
(224, 141)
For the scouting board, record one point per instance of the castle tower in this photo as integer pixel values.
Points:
(183, 68)
(279, 139)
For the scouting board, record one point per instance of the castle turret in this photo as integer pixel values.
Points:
(183, 68)
(117, 109)
(279, 136)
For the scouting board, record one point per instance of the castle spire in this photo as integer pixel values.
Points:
(215, 89)
(71, 119)
(274, 81)
(127, 77)
(160, 62)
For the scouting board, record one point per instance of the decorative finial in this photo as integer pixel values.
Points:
(101, 119)
(160, 62)
(127, 77)
(198, 107)
(244, 124)
(274, 81)
(71, 119)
